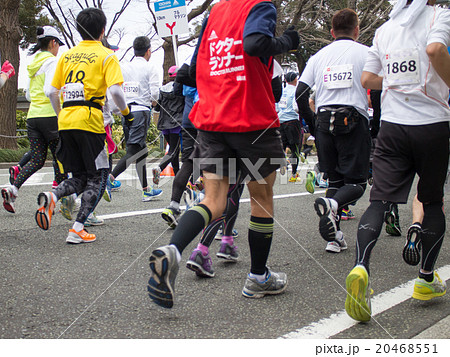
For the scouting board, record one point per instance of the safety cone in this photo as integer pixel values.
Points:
(168, 171)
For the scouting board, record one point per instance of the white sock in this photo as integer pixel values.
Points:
(334, 205)
(339, 235)
(174, 204)
(178, 253)
(54, 197)
(15, 190)
(77, 226)
(258, 277)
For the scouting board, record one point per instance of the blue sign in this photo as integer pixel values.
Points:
(169, 4)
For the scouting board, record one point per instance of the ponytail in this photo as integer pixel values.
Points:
(42, 43)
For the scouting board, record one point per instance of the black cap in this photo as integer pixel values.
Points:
(290, 77)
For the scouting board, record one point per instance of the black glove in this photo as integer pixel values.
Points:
(293, 37)
(128, 119)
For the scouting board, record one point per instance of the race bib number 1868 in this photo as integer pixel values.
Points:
(402, 67)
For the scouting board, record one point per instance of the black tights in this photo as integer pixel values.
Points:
(172, 155)
(135, 153)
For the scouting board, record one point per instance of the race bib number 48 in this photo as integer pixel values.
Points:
(340, 76)
(402, 67)
(72, 92)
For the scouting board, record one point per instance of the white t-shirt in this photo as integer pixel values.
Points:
(141, 83)
(413, 93)
(336, 72)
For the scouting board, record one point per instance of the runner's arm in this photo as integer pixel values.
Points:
(371, 80)
(440, 59)
(302, 99)
(53, 95)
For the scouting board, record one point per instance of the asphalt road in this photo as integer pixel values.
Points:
(50, 289)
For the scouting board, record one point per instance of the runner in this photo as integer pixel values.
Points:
(141, 86)
(83, 74)
(411, 50)
(342, 128)
(42, 123)
(233, 56)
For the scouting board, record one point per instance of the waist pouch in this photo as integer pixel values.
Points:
(337, 120)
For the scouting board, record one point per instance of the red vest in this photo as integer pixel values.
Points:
(234, 88)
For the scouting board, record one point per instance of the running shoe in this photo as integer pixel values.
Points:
(275, 283)
(150, 195)
(93, 220)
(45, 211)
(170, 215)
(190, 198)
(283, 170)
(228, 252)
(54, 185)
(200, 184)
(337, 246)
(83, 236)
(163, 272)
(295, 178)
(67, 206)
(393, 222)
(310, 181)
(200, 264)
(328, 218)
(347, 214)
(13, 173)
(107, 196)
(323, 183)
(219, 234)
(115, 185)
(357, 303)
(411, 251)
(423, 290)
(303, 158)
(156, 173)
(8, 199)
(77, 206)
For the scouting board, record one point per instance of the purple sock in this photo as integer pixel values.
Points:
(203, 248)
(228, 239)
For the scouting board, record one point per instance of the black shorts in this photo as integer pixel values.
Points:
(188, 141)
(402, 151)
(43, 128)
(82, 151)
(137, 132)
(256, 153)
(291, 133)
(346, 154)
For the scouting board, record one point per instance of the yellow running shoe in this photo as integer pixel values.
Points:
(310, 181)
(423, 290)
(294, 178)
(357, 303)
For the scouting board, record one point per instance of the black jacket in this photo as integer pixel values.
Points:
(170, 106)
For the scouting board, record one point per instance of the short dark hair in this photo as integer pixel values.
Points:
(344, 22)
(90, 23)
(140, 45)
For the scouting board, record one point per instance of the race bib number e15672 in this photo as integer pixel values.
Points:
(340, 76)
(402, 67)
(73, 92)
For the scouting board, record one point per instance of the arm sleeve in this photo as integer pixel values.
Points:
(49, 74)
(154, 83)
(118, 96)
(302, 98)
(277, 88)
(373, 63)
(260, 45)
(27, 91)
(183, 76)
(53, 95)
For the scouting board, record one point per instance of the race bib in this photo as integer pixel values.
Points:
(131, 90)
(73, 92)
(335, 77)
(402, 67)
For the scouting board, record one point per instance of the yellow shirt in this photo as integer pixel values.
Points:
(87, 70)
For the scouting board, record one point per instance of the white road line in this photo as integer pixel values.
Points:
(159, 210)
(340, 321)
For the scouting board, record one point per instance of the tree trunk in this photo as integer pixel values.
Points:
(169, 58)
(9, 49)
